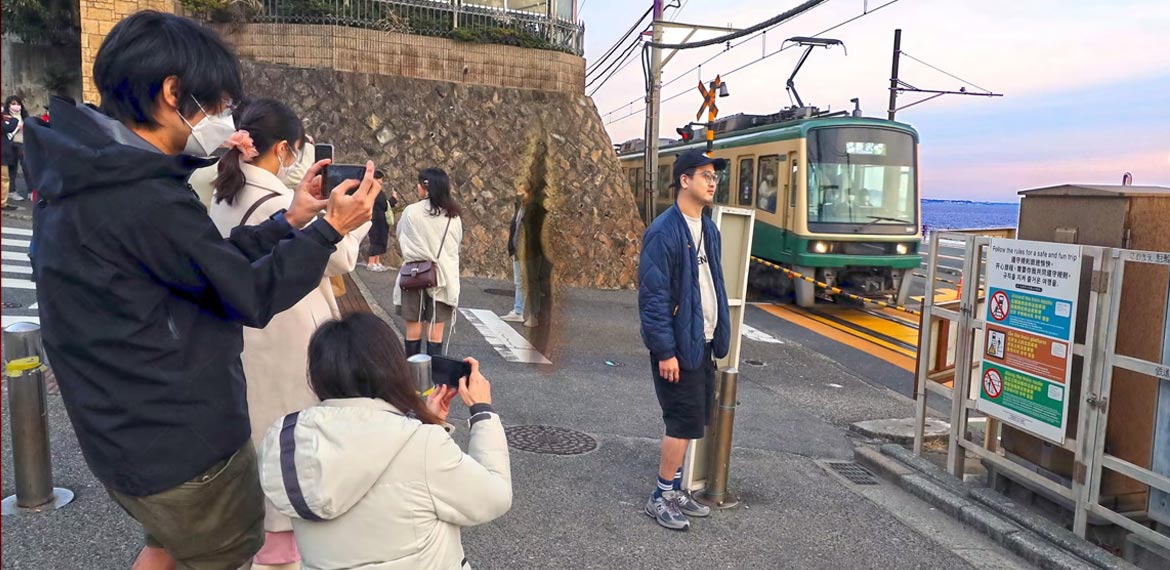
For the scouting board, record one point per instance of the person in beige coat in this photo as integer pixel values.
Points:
(371, 476)
(250, 188)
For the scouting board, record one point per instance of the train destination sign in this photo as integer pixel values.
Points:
(1032, 291)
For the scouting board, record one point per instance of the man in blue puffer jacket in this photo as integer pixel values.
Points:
(685, 324)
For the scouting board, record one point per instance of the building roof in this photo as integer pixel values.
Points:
(1098, 190)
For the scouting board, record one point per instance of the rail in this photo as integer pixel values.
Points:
(537, 24)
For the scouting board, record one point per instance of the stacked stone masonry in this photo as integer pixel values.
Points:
(97, 19)
(407, 56)
(494, 142)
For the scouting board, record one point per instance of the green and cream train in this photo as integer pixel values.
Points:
(836, 199)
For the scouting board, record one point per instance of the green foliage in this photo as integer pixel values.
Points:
(52, 22)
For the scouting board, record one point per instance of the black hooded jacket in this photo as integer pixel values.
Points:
(142, 302)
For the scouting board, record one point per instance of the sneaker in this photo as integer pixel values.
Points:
(532, 322)
(16, 197)
(380, 269)
(513, 317)
(666, 513)
(687, 504)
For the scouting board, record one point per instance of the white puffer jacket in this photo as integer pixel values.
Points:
(387, 491)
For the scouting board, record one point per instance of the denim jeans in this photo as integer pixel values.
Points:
(518, 308)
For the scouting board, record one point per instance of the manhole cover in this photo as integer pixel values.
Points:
(501, 292)
(549, 439)
(855, 473)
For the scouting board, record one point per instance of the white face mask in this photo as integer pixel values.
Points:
(15, 109)
(210, 133)
(283, 172)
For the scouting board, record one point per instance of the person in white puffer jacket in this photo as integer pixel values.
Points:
(370, 476)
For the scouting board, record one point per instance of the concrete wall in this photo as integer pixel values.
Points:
(24, 68)
(407, 56)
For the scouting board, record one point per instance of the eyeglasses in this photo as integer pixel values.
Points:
(229, 107)
(710, 177)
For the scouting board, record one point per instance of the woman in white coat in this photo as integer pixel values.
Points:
(430, 230)
(371, 476)
(249, 189)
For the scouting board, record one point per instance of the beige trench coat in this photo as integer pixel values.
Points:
(276, 357)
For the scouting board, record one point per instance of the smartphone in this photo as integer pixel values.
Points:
(322, 151)
(448, 371)
(339, 173)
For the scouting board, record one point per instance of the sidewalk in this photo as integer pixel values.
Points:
(585, 511)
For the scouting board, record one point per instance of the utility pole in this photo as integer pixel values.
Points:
(653, 101)
(894, 74)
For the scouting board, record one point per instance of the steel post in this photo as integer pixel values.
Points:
(420, 370)
(716, 494)
(28, 411)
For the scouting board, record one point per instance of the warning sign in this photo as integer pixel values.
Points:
(992, 383)
(1031, 316)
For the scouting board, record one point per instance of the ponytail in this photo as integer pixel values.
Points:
(230, 180)
(438, 186)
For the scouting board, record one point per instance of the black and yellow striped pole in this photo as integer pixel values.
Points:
(712, 109)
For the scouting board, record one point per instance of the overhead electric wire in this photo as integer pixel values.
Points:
(751, 63)
(744, 32)
(597, 64)
(948, 74)
(619, 61)
(686, 73)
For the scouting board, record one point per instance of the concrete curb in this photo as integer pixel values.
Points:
(1027, 535)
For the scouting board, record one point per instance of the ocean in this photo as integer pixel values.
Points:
(948, 214)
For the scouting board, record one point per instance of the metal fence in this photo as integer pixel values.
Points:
(538, 24)
(1099, 353)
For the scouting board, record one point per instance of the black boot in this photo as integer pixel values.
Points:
(413, 347)
(435, 348)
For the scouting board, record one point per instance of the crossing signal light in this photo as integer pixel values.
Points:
(687, 133)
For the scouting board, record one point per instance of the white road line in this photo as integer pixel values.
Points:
(509, 343)
(16, 231)
(14, 256)
(10, 268)
(33, 306)
(18, 284)
(752, 333)
(15, 242)
(10, 320)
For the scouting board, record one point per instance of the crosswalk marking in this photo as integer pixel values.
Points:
(752, 333)
(9, 268)
(9, 283)
(10, 320)
(16, 231)
(509, 343)
(14, 256)
(15, 242)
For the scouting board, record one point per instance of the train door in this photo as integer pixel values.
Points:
(745, 181)
(793, 189)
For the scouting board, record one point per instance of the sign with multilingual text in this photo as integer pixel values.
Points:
(1032, 291)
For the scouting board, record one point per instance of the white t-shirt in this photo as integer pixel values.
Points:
(706, 282)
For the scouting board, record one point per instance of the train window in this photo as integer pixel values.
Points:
(795, 183)
(747, 179)
(723, 189)
(769, 185)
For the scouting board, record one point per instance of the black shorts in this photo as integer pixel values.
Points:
(687, 405)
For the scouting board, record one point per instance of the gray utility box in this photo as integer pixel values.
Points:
(1130, 217)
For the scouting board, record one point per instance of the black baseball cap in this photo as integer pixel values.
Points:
(694, 159)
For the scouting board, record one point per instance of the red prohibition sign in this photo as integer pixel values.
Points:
(992, 383)
(1000, 305)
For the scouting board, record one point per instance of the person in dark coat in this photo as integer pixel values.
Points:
(380, 229)
(686, 325)
(15, 117)
(142, 302)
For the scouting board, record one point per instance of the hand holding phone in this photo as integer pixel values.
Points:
(474, 388)
(447, 371)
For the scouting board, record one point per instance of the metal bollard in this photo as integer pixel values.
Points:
(716, 494)
(420, 369)
(25, 371)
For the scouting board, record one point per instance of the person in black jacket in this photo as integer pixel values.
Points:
(380, 229)
(142, 301)
(15, 115)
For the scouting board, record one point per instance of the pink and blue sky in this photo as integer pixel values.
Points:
(1087, 83)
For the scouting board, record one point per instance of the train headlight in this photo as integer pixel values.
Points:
(903, 249)
(821, 247)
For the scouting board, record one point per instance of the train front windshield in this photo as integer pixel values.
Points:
(862, 180)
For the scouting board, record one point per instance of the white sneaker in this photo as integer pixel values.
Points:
(513, 317)
(14, 197)
(532, 322)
